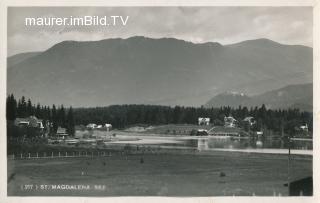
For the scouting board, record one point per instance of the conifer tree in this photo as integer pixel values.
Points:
(70, 122)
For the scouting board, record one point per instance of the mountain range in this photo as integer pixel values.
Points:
(292, 96)
(165, 71)
(15, 59)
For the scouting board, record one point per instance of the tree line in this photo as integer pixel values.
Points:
(122, 116)
(54, 116)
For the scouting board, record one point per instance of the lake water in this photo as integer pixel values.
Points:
(262, 145)
(233, 143)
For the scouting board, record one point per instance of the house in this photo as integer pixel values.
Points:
(259, 133)
(61, 132)
(108, 126)
(250, 120)
(203, 121)
(304, 127)
(230, 122)
(30, 121)
(92, 126)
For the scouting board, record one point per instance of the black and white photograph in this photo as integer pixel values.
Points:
(159, 101)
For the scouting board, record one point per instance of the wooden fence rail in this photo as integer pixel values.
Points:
(62, 154)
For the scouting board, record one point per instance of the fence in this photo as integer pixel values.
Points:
(62, 154)
(133, 150)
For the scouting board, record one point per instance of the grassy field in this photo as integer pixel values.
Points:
(170, 129)
(214, 174)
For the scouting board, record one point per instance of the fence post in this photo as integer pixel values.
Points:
(59, 154)
(44, 154)
(12, 156)
(37, 155)
(51, 154)
(21, 155)
(66, 154)
(79, 154)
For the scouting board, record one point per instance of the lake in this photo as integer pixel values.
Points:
(202, 143)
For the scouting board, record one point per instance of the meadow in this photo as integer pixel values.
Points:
(172, 174)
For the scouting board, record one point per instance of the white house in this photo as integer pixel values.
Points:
(304, 127)
(31, 121)
(107, 125)
(92, 126)
(250, 120)
(230, 122)
(203, 121)
(259, 132)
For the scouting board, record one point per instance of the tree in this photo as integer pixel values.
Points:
(70, 122)
(54, 119)
(177, 114)
(29, 108)
(38, 111)
(61, 117)
(11, 108)
(22, 107)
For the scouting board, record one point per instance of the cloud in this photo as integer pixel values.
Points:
(289, 25)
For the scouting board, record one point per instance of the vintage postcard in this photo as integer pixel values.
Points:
(196, 102)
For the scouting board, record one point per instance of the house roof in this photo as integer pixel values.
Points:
(31, 120)
(249, 118)
(229, 119)
(28, 119)
(61, 130)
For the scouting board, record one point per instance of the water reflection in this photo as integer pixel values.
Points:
(207, 143)
(234, 143)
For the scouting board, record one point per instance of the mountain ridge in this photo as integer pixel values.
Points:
(154, 71)
(291, 96)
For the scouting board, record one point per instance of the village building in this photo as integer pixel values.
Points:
(259, 133)
(304, 128)
(30, 121)
(230, 122)
(95, 126)
(92, 126)
(250, 120)
(61, 132)
(108, 126)
(203, 121)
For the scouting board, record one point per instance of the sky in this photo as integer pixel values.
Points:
(226, 25)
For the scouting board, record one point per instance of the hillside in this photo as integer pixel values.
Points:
(291, 96)
(163, 71)
(15, 59)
